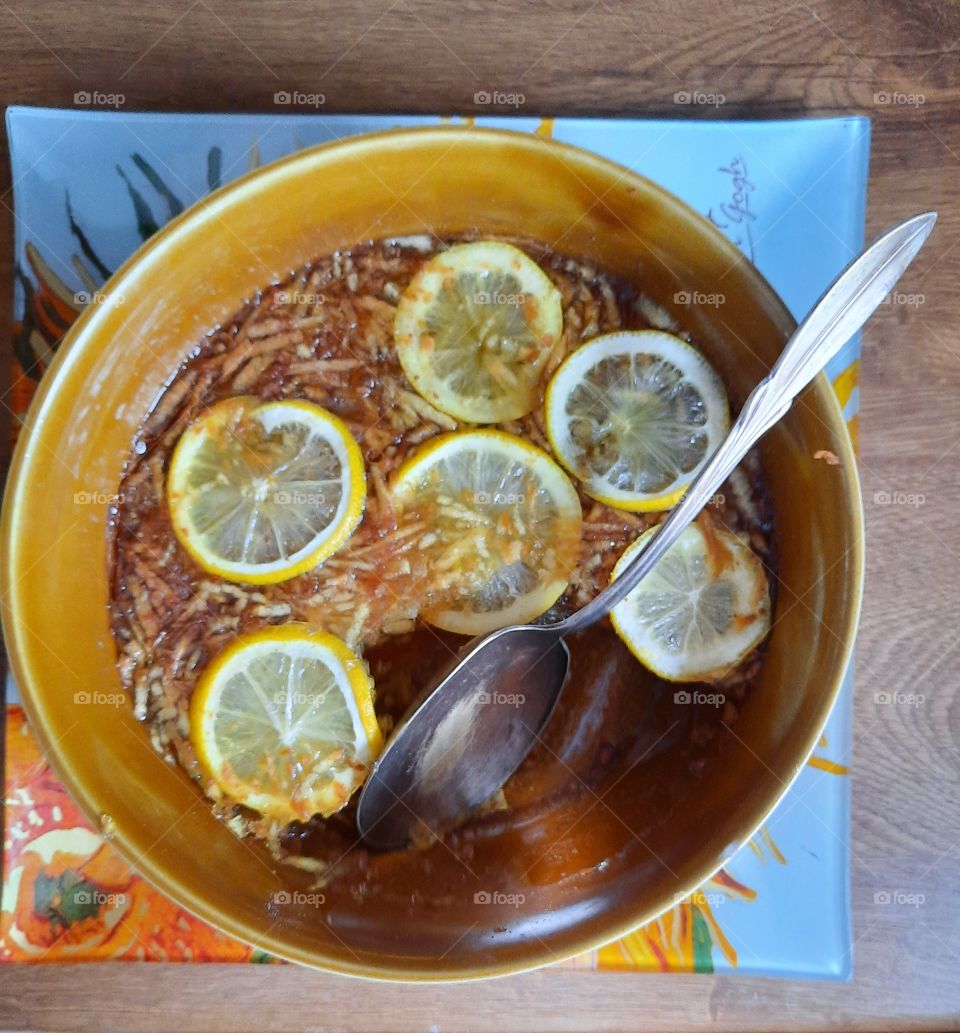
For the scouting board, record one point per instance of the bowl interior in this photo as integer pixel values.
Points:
(580, 884)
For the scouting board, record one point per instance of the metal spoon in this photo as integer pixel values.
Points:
(465, 736)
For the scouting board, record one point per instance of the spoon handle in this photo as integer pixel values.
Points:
(839, 313)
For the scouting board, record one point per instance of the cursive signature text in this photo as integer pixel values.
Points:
(735, 216)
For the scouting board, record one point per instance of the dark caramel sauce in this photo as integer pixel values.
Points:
(618, 745)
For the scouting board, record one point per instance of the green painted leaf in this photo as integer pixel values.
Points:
(702, 943)
(85, 246)
(214, 167)
(21, 341)
(146, 226)
(174, 204)
(64, 899)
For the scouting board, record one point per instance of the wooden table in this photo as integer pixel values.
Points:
(898, 64)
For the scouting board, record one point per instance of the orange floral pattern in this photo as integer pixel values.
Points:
(68, 896)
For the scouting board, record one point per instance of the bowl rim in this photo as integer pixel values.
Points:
(14, 510)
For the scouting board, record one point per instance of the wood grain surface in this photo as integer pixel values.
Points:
(898, 63)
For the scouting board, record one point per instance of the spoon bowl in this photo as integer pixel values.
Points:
(465, 736)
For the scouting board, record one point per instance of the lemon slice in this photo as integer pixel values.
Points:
(474, 331)
(635, 416)
(262, 491)
(504, 528)
(701, 609)
(283, 721)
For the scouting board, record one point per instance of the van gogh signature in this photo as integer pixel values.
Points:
(735, 216)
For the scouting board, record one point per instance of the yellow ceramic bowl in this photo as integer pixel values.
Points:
(195, 273)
